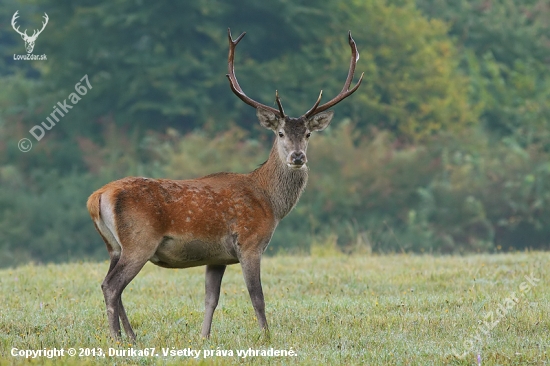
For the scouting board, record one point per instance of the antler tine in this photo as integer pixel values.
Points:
(346, 91)
(46, 18)
(13, 19)
(281, 110)
(353, 62)
(234, 84)
(312, 109)
(43, 25)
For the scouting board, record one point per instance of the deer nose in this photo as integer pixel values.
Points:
(298, 158)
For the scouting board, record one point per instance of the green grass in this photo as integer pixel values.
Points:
(376, 310)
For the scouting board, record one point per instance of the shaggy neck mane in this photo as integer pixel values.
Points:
(282, 184)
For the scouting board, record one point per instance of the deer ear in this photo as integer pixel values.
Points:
(267, 119)
(320, 121)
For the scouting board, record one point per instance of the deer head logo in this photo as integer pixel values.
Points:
(29, 40)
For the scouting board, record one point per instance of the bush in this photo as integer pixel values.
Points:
(457, 193)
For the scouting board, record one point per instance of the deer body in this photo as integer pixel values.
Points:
(217, 220)
(210, 220)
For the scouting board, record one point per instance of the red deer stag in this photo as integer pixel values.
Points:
(217, 220)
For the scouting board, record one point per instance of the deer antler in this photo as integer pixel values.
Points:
(235, 84)
(43, 26)
(24, 34)
(346, 91)
(15, 16)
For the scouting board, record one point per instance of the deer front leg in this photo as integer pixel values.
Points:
(251, 271)
(214, 275)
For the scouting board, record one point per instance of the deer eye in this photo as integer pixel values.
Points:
(281, 134)
(308, 134)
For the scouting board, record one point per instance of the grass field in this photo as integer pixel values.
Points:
(364, 310)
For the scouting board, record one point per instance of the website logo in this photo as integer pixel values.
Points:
(29, 40)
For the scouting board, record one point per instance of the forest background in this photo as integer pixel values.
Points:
(445, 148)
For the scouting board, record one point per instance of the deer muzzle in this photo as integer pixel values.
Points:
(297, 159)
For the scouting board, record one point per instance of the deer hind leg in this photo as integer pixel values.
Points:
(113, 248)
(123, 272)
(125, 322)
(214, 275)
(250, 263)
(116, 324)
(125, 265)
(122, 313)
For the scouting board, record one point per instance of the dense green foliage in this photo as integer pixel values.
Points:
(444, 148)
(506, 52)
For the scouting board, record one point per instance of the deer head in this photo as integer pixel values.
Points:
(29, 40)
(293, 133)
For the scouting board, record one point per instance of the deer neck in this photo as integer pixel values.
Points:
(283, 185)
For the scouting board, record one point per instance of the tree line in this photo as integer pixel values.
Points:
(444, 148)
